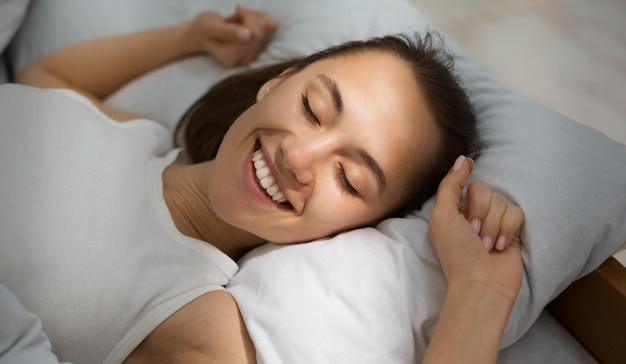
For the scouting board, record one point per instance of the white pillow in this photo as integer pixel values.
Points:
(373, 295)
(12, 13)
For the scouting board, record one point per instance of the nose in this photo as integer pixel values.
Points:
(304, 156)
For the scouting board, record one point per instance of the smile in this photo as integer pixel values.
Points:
(264, 178)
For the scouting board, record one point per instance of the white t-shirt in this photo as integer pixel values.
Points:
(86, 239)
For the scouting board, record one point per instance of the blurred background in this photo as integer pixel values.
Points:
(568, 54)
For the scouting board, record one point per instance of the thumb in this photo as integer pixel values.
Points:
(451, 187)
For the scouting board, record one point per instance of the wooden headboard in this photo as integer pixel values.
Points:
(593, 310)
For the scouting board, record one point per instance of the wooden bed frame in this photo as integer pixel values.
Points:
(593, 310)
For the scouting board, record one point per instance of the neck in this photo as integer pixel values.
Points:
(185, 191)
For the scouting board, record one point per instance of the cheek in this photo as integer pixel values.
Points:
(339, 212)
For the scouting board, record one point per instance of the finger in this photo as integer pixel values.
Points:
(257, 20)
(450, 189)
(217, 28)
(247, 16)
(516, 242)
(476, 203)
(236, 16)
(236, 32)
(492, 223)
(510, 227)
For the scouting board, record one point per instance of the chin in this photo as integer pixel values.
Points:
(297, 238)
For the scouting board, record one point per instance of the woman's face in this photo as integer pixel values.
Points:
(335, 146)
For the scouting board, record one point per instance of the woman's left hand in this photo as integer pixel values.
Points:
(235, 40)
(477, 241)
(483, 281)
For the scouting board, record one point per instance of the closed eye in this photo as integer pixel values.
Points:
(345, 182)
(306, 107)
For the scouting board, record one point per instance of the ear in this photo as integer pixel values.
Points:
(269, 85)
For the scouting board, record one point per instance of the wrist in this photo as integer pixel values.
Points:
(482, 295)
(185, 37)
(470, 325)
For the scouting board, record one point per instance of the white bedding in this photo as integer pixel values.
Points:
(373, 295)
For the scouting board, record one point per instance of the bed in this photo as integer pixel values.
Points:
(373, 295)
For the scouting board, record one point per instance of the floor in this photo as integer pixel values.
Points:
(568, 54)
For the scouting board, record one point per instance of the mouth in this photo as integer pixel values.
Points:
(265, 180)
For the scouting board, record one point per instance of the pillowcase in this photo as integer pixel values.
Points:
(373, 295)
(12, 13)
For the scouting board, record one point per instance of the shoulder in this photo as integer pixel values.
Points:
(60, 115)
(209, 329)
(70, 104)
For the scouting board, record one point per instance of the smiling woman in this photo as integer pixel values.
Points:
(317, 156)
(288, 153)
(442, 115)
(317, 148)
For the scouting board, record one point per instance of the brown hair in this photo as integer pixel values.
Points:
(207, 120)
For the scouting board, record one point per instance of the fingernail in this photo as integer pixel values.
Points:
(458, 163)
(487, 241)
(244, 33)
(500, 243)
(476, 225)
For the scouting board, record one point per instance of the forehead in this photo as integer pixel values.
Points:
(378, 82)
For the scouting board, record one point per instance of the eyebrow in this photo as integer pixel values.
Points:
(369, 162)
(374, 167)
(332, 88)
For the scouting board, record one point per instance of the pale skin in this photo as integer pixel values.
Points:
(312, 148)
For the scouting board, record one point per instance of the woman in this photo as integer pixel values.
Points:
(322, 148)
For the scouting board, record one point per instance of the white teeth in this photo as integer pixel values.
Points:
(278, 197)
(272, 190)
(262, 172)
(265, 178)
(266, 182)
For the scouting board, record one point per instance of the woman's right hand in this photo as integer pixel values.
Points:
(235, 40)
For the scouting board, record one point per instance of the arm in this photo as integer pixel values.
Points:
(97, 68)
(478, 247)
(470, 326)
(209, 329)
